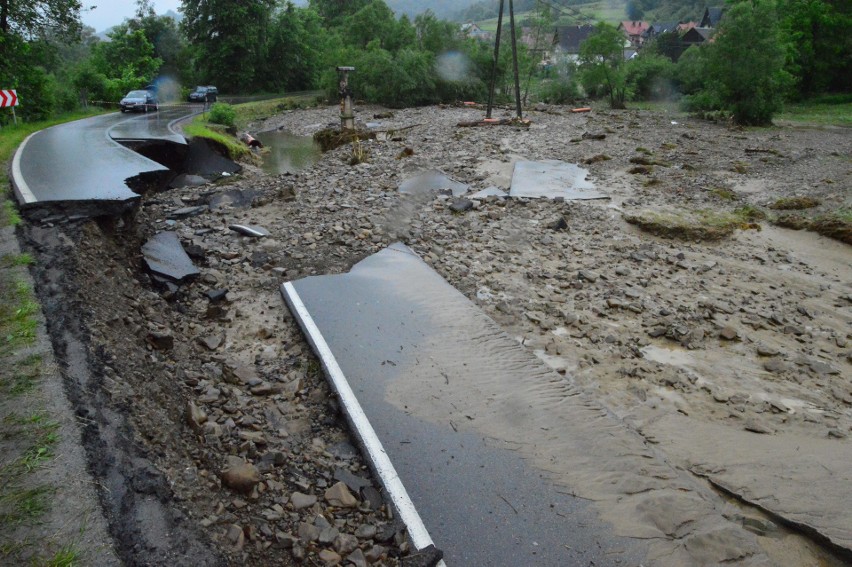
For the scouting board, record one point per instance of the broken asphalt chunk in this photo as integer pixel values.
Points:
(250, 230)
(489, 192)
(164, 256)
(461, 205)
(432, 181)
(552, 179)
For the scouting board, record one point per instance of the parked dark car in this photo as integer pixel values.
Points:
(142, 101)
(203, 94)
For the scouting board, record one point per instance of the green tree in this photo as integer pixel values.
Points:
(127, 60)
(819, 31)
(602, 64)
(229, 39)
(690, 72)
(375, 22)
(27, 31)
(649, 76)
(745, 63)
(434, 35)
(163, 34)
(335, 11)
(32, 19)
(297, 40)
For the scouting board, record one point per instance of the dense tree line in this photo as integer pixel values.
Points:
(765, 51)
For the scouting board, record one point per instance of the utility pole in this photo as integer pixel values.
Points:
(515, 59)
(497, 56)
(494, 62)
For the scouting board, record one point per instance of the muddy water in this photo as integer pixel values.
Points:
(287, 153)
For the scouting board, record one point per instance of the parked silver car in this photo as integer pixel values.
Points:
(142, 101)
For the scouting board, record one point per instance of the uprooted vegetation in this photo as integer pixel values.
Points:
(795, 203)
(837, 225)
(696, 225)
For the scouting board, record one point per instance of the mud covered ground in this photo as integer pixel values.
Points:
(207, 418)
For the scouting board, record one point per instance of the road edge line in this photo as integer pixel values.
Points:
(22, 190)
(359, 422)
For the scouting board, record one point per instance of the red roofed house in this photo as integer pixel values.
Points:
(634, 31)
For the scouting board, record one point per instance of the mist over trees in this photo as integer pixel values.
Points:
(763, 53)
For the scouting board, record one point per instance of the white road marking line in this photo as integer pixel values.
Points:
(358, 419)
(21, 187)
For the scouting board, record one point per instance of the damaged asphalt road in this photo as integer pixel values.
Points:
(204, 401)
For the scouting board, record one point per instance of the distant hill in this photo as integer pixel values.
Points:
(444, 9)
(176, 16)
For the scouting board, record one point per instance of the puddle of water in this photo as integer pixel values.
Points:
(674, 357)
(288, 153)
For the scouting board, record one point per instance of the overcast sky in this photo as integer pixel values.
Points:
(112, 12)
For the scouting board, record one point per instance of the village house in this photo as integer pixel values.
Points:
(695, 36)
(471, 30)
(634, 31)
(567, 40)
(711, 17)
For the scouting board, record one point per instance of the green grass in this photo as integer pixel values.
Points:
(21, 377)
(596, 11)
(794, 203)
(836, 224)
(18, 312)
(246, 113)
(28, 435)
(9, 215)
(697, 225)
(199, 128)
(827, 110)
(24, 506)
(254, 111)
(65, 557)
(11, 260)
(724, 194)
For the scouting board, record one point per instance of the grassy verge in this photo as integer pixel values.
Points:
(233, 148)
(254, 111)
(244, 114)
(28, 434)
(828, 110)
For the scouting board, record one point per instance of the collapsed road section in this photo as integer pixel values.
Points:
(99, 166)
(77, 163)
(507, 462)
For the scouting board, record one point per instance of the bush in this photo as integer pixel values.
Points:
(649, 77)
(745, 63)
(690, 73)
(222, 113)
(559, 91)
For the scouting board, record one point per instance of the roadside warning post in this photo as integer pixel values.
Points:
(9, 97)
(347, 116)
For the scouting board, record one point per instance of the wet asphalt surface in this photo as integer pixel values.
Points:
(83, 161)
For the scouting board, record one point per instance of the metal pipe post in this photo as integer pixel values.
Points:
(347, 115)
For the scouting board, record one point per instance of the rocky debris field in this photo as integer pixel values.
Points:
(228, 433)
